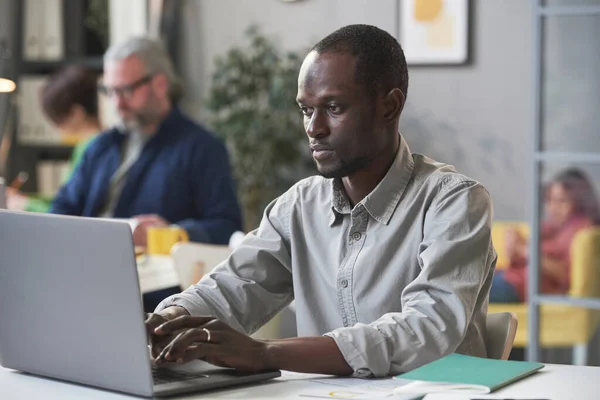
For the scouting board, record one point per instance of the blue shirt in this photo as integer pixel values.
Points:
(183, 175)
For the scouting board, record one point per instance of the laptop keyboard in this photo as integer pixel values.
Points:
(164, 375)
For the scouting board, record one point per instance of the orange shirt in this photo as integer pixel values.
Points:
(555, 243)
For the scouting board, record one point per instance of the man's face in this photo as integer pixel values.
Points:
(133, 93)
(343, 122)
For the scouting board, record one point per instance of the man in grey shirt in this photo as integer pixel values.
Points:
(388, 254)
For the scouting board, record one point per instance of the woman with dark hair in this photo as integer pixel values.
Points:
(69, 99)
(570, 206)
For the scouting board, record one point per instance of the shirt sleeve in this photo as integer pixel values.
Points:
(437, 307)
(253, 284)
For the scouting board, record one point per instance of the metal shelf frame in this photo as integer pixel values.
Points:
(540, 13)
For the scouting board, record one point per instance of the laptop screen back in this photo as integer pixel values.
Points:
(71, 295)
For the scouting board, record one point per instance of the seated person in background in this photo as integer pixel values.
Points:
(158, 167)
(69, 99)
(570, 205)
(388, 254)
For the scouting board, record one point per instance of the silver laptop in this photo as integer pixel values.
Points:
(71, 309)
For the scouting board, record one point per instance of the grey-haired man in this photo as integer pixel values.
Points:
(158, 167)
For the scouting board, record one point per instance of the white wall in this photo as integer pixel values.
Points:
(475, 116)
(211, 27)
(478, 117)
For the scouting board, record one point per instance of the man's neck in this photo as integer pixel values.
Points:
(360, 184)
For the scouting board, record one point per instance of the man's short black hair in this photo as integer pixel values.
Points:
(380, 62)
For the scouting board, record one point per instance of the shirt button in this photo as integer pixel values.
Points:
(356, 236)
(344, 283)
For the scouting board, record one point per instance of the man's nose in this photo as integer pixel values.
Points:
(317, 125)
(119, 100)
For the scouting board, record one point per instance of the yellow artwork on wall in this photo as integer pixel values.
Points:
(434, 31)
(427, 10)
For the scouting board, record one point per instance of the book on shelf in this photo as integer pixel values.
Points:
(57, 29)
(43, 37)
(34, 127)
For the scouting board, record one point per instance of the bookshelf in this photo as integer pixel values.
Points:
(46, 67)
(50, 35)
(86, 28)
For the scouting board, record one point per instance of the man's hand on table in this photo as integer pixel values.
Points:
(141, 223)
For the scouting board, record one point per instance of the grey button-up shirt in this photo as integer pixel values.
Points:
(398, 280)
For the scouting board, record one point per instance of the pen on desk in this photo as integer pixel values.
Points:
(19, 180)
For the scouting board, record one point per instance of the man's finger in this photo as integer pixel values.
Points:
(206, 352)
(148, 219)
(179, 346)
(160, 358)
(181, 322)
(156, 348)
(152, 322)
(146, 216)
(142, 225)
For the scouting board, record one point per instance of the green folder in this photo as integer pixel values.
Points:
(457, 372)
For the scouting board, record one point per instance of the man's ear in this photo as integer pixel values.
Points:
(161, 84)
(393, 103)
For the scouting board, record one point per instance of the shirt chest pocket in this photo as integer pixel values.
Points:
(379, 279)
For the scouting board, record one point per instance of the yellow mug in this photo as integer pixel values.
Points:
(161, 239)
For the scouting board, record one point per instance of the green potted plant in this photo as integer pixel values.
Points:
(252, 108)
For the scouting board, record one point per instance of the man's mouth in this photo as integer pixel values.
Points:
(320, 152)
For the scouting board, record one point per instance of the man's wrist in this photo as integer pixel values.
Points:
(272, 354)
(299, 355)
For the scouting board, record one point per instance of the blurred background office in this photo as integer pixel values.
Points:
(506, 91)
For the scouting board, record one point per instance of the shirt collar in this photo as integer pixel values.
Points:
(339, 201)
(383, 200)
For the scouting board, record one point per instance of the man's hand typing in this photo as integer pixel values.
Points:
(208, 339)
(158, 343)
(179, 338)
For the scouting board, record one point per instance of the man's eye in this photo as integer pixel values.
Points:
(305, 110)
(334, 108)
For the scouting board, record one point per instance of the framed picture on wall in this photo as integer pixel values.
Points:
(434, 31)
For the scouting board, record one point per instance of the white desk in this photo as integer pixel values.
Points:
(555, 382)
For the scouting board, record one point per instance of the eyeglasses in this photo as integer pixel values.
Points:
(125, 91)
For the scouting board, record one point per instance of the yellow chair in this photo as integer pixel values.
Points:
(560, 325)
